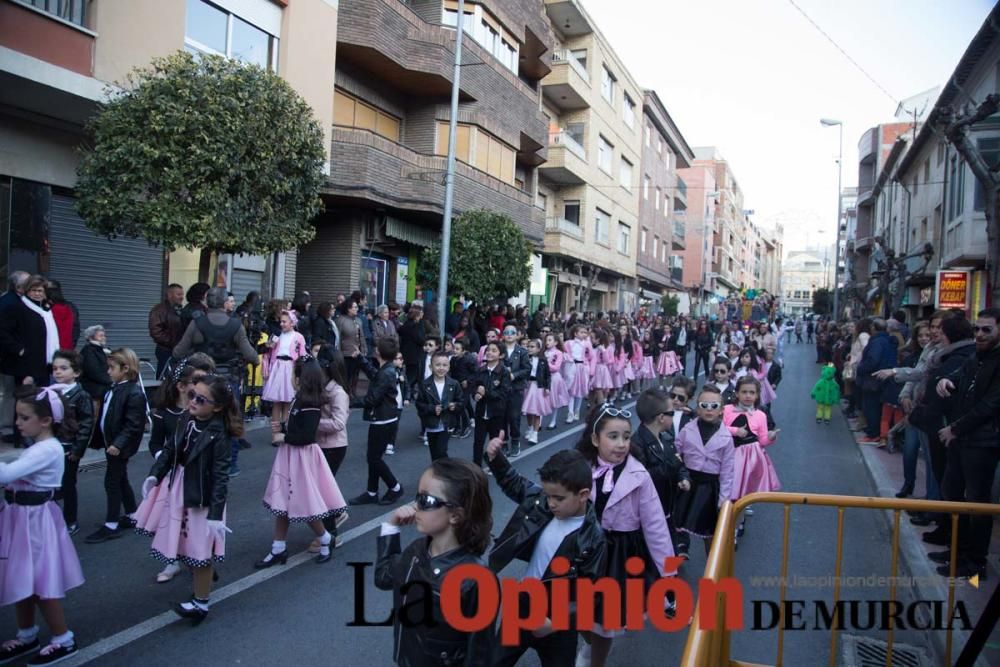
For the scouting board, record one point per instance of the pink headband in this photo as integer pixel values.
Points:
(52, 393)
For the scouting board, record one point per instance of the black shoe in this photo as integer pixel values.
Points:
(826, 421)
(194, 613)
(244, 443)
(818, 420)
(963, 570)
(921, 519)
(364, 499)
(271, 559)
(940, 556)
(72, 529)
(515, 451)
(938, 537)
(102, 534)
(906, 491)
(19, 651)
(126, 523)
(52, 654)
(391, 496)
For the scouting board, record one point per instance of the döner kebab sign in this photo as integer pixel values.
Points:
(953, 289)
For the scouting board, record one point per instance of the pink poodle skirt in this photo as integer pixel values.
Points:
(558, 393)
(179, 533)
(648, 370)
(753, 471)
(37, 556)
(536, 402)
(668, 364)
(767, 393)
(278, 387)
(301, 486)
(577, 379)
(629, 371)
(602, 378)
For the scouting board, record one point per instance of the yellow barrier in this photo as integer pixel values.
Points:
(710, 647)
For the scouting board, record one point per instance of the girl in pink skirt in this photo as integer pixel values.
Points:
(579, 357)
(667, 365)
(604, 355)
(647, 371)
(558, 393)
(537, 400)
(276, 369)
(184, 498)
(301, 488)
(38, 562)
(618, 378)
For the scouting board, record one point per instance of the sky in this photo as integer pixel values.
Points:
(753, 78)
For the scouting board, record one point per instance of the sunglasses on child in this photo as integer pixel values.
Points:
(709, 405)
(198, 398)
(679, 397)
(425, 502)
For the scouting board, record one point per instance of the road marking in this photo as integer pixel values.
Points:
(151, 625)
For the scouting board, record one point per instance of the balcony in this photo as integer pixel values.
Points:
(677, 240)
(965, 241)
(59, 38)
(680, 195)
(564, 226)
(569, 16)
(567, 163)
(868, 146)
(568, 84)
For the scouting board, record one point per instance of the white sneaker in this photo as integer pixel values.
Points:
(569, 417)
(532, 437)
(583, 656)
(390, 450)
(426, 444)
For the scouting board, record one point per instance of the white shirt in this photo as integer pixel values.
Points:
(440, 390)
(576, 349)
(548, 543)
(40, 467)
(534, 367)
(285, 344)
(428, 371)
(682, 337)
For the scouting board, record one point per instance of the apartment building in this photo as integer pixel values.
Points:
(662, 204)
(384, 198)
(589, 188)
(773, 249)
(699, 233)
(56, 57)
(802, 273)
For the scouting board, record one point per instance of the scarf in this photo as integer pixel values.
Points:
(606, 469)
(51, 332)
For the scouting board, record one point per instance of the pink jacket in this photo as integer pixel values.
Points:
(297, 349)
(332, 431)
(634, 504)
(717, 457)
(637, 355)
(555, 359)
(756, 419)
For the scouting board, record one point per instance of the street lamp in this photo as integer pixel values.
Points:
(829, 122)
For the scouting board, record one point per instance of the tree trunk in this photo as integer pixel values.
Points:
(205, 267)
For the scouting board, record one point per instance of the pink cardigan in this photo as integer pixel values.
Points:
(717, 456)
(756, 420)
(634, 504)
(555, 359)
(332, 431)
(297, 349)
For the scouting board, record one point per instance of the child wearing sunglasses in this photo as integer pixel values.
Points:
(709, 454)
(453, 510)
(722, 371)
(628, 508)
(554, 519)
(184, 497)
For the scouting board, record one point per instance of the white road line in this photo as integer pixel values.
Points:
(151, 625)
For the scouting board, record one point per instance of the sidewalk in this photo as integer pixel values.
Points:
(886, 471)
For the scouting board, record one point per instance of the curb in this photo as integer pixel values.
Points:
(911, 552)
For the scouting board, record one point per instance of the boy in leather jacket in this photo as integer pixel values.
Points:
(554, 519)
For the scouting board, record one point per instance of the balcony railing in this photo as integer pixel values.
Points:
(682, 188)
(565, 226)
(71, 11)
(563, 138)
(679, 228)
(564, 56)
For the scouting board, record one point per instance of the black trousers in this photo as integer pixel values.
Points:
(513, 415)
(555, 650)
(334, 457)
(118, 489)
(680, 539)
(379, 437)
(162, 357)
(485, 428)
(412, 377)
(968, 477)
(702, 357)
(68, 491)
(438, 443)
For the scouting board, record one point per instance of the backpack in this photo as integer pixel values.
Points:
(218, 341)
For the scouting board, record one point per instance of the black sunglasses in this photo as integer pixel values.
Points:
(198, 398)
(425, 502)
(722, 370)
(985, 330)
(679, 397)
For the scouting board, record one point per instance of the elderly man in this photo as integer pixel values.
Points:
(165, 327)
(10, 346)
(879, 354)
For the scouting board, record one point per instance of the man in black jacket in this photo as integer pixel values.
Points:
(412, 334)
(10, 346)
(516, 360)
(382, 405)
(972, 438)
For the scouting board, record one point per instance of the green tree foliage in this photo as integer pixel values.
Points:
(670, 304)
(204, 153)
(822, 301)
(489, 258)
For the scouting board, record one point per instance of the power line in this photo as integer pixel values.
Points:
(845, 54)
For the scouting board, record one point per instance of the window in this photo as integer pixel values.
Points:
(604, 153)
(990, 150)
(624, 238)
(352, 112)
(628, 111)
(542, 201)
(956, 196)
(656, 246)
(602, 221)
(659, 196)
(571, 212)
(625, 174)
(209, 29)
(664, 251)
(484, 30)
(642, 240)
(645, 186)
(647, 133)
(608, 81)
(659, 146)
(940, 153)
(927, 170)
(666, 205)
(580, 55)
(479, 148)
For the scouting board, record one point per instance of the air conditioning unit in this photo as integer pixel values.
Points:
(375, 230)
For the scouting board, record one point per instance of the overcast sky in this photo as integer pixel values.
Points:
(753, 77)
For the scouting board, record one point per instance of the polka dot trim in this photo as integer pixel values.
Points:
(304, 519)
(190, 562)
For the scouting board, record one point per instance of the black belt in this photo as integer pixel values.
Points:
(283, 357)
(577, 362)
(27, 497)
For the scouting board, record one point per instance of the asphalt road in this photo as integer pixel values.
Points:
(298, 613)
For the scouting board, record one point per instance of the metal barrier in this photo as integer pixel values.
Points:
(710, 647)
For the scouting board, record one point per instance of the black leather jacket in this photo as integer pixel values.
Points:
(543, 376)
(206, 463)
(83, 412)
(585, 548)
(427, 400)
(380, 401)
(498, 387)
(519, 365)
(664, 464)
(974, 406)
(431, 642)
(126, 419)
(94, 379)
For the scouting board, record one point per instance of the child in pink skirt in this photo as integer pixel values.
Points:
(537, 400)
(604, 362)
(184, 498)
(647, 371)
(277, 366)
(558, 393)
(667, 365)
(38, 562)
(580, 354)
(301, 488)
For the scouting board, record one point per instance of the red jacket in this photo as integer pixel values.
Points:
(63, 315)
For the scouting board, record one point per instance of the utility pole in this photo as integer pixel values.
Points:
(826, 122)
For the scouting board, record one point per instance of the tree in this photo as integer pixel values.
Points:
(822, 301)
(670, 304)
(955, 124)
(489, 258)
(206, 153)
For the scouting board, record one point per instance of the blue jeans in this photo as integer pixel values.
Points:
(871, 406)
(911, 450)
(933, 490)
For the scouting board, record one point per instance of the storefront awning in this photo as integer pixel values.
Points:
(410, 233)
